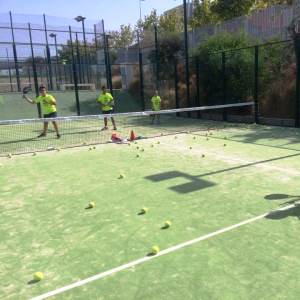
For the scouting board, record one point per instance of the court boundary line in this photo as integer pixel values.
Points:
(161, 253)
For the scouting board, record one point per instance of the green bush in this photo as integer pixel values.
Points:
(239, 68)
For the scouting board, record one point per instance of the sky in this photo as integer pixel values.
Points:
(114, 12)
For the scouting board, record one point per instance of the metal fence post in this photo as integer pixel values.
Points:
(186, 52)
(141, 80)
(48, 55)
(9, 71)
(36, 84)
(198, 85)
(176, 86)
(74, 74)
(224, 91)
(256, 82)
(15, 53)
(297, 104)
(78, 58)
(157, 58)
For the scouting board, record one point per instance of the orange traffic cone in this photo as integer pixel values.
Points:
(132, 136)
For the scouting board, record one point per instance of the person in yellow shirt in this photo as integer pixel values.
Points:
(107, 104)
(49, 110)
(156, 105)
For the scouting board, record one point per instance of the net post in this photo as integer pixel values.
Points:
(157, 58)
(36, 84)
(224, 98)
(48, 54)
(256, 106)
(74, 73)
(15, 53)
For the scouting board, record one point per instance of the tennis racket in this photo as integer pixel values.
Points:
(26, 89)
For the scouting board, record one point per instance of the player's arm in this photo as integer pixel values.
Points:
(28, 99)
(52, 101)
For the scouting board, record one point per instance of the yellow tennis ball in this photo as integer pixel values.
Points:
(158, 142)
(144, 210)
(94, 147)
(92, 204)
(155, 250)
(38, 276)
(167, 224)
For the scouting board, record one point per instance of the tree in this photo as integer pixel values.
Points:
(259, 4)
(203, 14)
(122, 38)
(229, 9)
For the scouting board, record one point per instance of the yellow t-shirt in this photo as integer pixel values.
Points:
(106, 101)
(46, 101)
(155, 101)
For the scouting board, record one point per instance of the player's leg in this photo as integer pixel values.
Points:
(158, 118)
(56, 129)
(152, 117)
(44, 130)
(114, 123)
(105, 124)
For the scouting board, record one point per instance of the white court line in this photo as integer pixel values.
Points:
(147, 258)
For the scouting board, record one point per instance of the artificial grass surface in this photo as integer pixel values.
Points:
(44, 225)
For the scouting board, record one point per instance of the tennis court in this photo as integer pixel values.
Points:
(229, 190)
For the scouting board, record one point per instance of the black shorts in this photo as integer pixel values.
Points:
(51, 115)
(107, 112)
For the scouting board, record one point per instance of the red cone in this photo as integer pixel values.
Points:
(132, 136)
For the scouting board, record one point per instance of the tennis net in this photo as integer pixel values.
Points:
(21, 136)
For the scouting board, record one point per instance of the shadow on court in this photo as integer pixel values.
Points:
(194, 183)
(282, 214)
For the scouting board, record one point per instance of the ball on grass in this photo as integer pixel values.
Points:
(194, 138)
(144, 210)
(203, 155)
(143, 150)
(9, 155)
(224, 145)
(121, 176)
(154, 250)
(191, 148)
(167, 224)
(92, 204)
(137, 155)
(38, 276)
(207, 139)
(138, 148)
(158, 142)
(94, 147)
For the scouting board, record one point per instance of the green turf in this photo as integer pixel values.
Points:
(44, 225)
